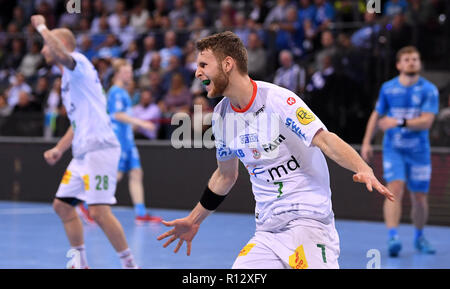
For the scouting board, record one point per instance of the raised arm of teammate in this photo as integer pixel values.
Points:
(53, 155)
(59, 52)
(344, 155)
(185, 229)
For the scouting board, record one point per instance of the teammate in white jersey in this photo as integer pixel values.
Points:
(91, 175)
(280, 141)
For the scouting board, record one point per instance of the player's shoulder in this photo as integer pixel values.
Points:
(391, 83)
(426, 84)
(276, 96)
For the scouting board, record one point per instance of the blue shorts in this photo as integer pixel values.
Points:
(411, 167)
(129, 159)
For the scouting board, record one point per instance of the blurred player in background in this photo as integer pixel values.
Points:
(91, 175)
(405, 111)
(119, 108)
(294, 217)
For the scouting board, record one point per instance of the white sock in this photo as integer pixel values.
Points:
(127, 259)
(83, 259)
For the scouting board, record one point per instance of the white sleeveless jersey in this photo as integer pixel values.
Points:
(85, 102)
(272, 138)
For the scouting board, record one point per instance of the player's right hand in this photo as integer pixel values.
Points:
(52, 156)
(184, 229)
(147, 125)
(366, 152)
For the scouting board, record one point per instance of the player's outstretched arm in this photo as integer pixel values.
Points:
(125, 118)
(59, 52)
(343, 154)
(219, 185)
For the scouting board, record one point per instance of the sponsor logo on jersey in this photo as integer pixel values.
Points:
(291, 101)
(248, 138)
(298, 259)
(256, 154)
(273, 145)
(295, 127)
(304, 116)
(260, 110)
(285, 169)
(254, 171)
(222, 150)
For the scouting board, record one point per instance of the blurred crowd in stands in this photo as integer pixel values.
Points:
(334, 54)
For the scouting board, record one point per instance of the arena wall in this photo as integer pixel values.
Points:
(175, 179)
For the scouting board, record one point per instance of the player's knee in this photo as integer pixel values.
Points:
(419, 199)
(98, 213)
(63, 210)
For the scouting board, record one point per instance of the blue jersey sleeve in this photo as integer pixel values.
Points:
(431, 100)
(382, 105)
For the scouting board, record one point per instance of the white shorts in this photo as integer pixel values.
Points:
(304, 244)
(93, 178)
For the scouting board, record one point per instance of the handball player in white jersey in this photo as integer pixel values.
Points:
(281, 143)
(91, 175)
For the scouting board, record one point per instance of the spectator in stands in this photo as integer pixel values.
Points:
(174, 68)
(366, 36)
(114, 19)
(154, 84)
(190, 56)
(41, 90)
(201, 10)
(394, 7)
(25, 104)
(138, 19)
(290, 75)
(170, 48)
(149, 50)
(14, 58)
(18, 85)
(160, 14)
(328, 49)
(179, 11)
(109, 48)
(400, 35)
(19, 18)
(306, 11)
(240, 28)
(31, 61)
(83, 29)
(289, 33)
(324, 14)
(178, 98)
(258, 13)
(99, 31)
(257, 57)
(125, 33)
(278, 13)
(198, 29)
(132, 55)
(147, 110)
(85, 47)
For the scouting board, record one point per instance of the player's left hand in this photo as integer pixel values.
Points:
(37, 20)
(387, 122)
(371, 182)
(184, 229)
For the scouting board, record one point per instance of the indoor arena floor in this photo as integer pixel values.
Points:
(32, 236)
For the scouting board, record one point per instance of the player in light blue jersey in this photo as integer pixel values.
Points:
(119, 108)
(405, 111)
